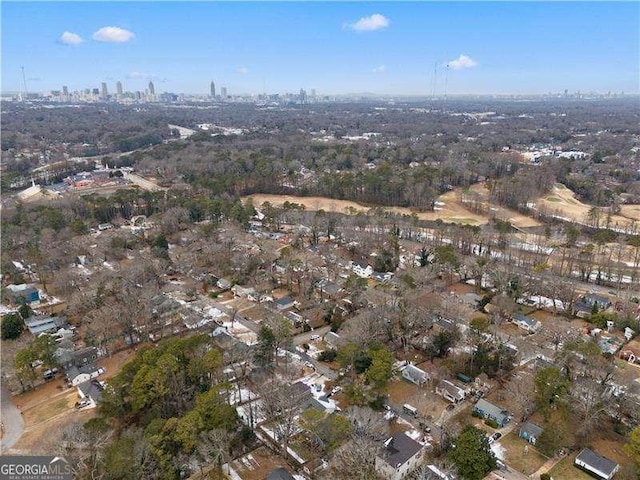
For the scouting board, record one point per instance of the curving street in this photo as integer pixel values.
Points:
(12, 423)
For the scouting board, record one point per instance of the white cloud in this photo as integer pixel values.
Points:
(134, 75)
(113, 34)
(369, 24)
(70, 38)
(462, 62)
(380, 69)
(242, 70)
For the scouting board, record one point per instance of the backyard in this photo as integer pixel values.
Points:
(565, 470)
(520, 455)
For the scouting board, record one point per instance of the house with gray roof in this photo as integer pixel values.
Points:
(279, 474)
(495, 413)
(596, 465)
(530, 432)
(249, 293)
(329, 288)
(333, 340)
(78, 375)
(38, 324)
(401, 454)
(285, 303)
(415, 374)
(600, 300)
(451, 392)
(91, 390)
(527, 323)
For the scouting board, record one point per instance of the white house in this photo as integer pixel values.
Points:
(415, 375)
(84, 373)
(400, 455)
(245, 292)
(362, 269)
(596, 464)
(527, 323)
(451, 392)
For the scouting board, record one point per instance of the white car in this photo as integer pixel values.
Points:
(315, 338)
(309, 364)
(336, 389)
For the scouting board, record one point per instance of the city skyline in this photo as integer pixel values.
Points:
(333, 48)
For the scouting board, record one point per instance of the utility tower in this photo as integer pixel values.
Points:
(24, 84)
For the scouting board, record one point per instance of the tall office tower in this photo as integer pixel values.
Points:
(303, 96)
(65, 91)
(119, 88)
(103, 91)
(223, 93)
(95, 92)
(152, 90)
(213, 89)
(138, 95)
(313, 93)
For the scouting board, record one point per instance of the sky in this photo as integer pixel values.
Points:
(412, 48)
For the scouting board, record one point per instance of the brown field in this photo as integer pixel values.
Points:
(562, 200)
(428, 404)
(516, 457)
(453, 211)
(46, 411)
(516, 219)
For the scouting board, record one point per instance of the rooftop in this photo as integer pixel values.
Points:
(597, 462)
(399, 449)
(532, 429)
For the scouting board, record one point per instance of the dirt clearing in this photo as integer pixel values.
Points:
(450, 212)
(563, 202)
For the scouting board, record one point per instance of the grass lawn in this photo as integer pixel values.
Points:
(515, 457)
(428, 404)
(565, 470)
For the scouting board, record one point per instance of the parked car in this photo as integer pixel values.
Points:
(450, 407)
(82, 404)
(496, 435)
(309, 364)
(336, 389)
(315, 338)
(49, 374)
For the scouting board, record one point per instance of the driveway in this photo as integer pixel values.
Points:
(12, 423)
(305, 337)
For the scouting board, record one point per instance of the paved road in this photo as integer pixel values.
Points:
(12, 422)
(305, 337)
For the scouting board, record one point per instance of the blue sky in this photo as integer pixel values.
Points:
(388, 48)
